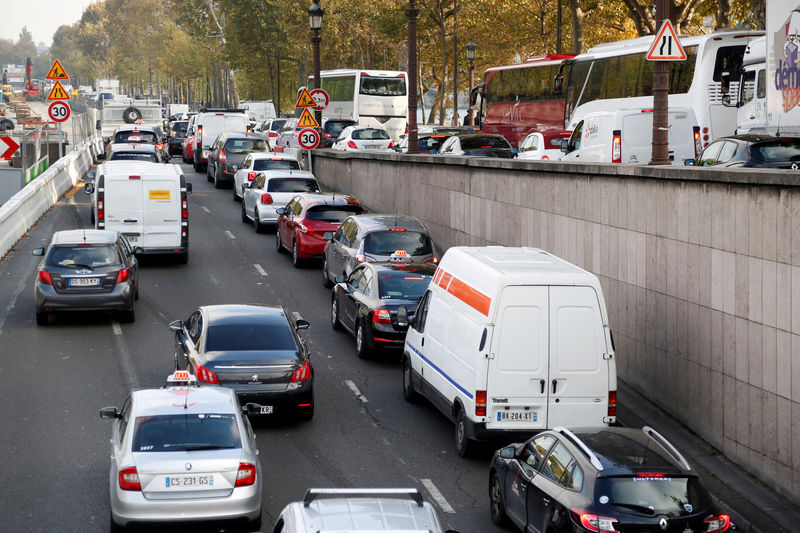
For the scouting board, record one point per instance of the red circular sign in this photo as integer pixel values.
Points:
(308, 139)
(321, 98)
(58, 111)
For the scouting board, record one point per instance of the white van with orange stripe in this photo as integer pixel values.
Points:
(511, 341)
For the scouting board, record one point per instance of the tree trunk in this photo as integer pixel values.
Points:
(577, 26)
(759, 10)
(723, 14)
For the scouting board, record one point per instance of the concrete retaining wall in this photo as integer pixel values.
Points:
(700, 269)
(24, 208)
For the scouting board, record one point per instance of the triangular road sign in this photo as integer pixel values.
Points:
(666, 46)
(307, 119)
(57, 72)
(58, 92)
(305, 100)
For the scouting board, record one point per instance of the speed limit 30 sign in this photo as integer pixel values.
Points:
(308, 139)
(58, 111)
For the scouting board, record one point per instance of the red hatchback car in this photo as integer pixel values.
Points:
(302, 224)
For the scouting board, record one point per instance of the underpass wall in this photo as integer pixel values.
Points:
(700, 270)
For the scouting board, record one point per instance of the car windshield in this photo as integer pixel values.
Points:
(243, 146)
(292, 185)
(777, 150)
(402, 285)
(185, 432)
(654, 493)
(83, 255)
(477, 143)
(388, 242)
(135, 136)
(133, 156)
(249, 337)
(370, 134)
(333, 213)
(275, 164)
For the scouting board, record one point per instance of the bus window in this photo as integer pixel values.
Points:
(729, 59)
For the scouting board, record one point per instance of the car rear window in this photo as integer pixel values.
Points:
(335, 128)
(654, 493)
(277, 125)
(292, 185)
(249, 337)
(135, 136)
(83, 256)
(333, 213)
(370, 134)
(402, 285)
(476, 143)
(388, 242)
(132, 156)
(243, 146)
(276, 164)
(777, 150)
(185, 432)
(431, 143)
(179, 127)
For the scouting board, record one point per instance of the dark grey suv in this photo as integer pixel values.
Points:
(228, 152)
(86, 270)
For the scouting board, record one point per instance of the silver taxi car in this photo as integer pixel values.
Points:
(183, 454)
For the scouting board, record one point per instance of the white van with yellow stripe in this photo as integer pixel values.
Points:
(511, 341)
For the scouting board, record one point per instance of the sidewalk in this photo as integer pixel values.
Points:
(752, 506)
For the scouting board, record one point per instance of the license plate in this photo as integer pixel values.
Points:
(266, 409)
(84, 282)
(193, 481)
(517, 416)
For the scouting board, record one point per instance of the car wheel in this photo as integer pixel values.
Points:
(197, 168)
(244, 214)
(91, 216)
(278, 243)
(361, 341)
(464, 444)
(409, 393)
(335, 324)
(496, 507)
(209, 175)
(326, 281)
(296, 260)
(42, 319)
(217, 182)
(128, 316)
(257, 225)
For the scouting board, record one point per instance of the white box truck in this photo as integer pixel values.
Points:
(511, 341)
(258, 111)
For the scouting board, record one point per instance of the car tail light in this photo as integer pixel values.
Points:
(364, 259)
(199, 136)
(44, 277)
(301, 374)
(159, 146)
(246, 475)
(123, 275)
(612, 403)
(545, 158)
(391, 143)
(720, 522)
(205, 375)
(251, 176)
(432, 260)
(266, 198)
(381, 316)
(480, 403)
(129, 479)
(328, 136)
(698, 147)
(351, 144)
(273, 134)
(101, 212)
(616, 147)
(223, 156)
(593, 522)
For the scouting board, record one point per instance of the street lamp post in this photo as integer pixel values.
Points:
(315, 14)
(413, 139)
(455, 63)
(471, 49)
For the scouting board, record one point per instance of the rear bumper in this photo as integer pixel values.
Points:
(478, 431)
(163, 250)
(119, 299)
(284, 402)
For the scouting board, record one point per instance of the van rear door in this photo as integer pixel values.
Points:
(123, 206)
(162, 213)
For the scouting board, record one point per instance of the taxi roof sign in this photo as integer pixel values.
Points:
(57, 72)
(400, 256)
(304, 99)
(182, 376)
(307, 120)
(58, 92)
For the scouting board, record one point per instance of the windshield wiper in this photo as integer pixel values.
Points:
(640, 508)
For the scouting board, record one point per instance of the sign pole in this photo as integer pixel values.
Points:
(60, 145)
(660, 148)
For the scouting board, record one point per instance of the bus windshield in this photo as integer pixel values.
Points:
(381, 86)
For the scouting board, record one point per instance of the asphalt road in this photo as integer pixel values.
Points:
(54, 473)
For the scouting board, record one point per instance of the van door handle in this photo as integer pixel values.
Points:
(130, 220)
(423, 341)
(541, 382)
(555, 382)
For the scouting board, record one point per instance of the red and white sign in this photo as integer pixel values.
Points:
(12, 147)
(321, 98)
(308, 139)
(58, 111)
(666, 46)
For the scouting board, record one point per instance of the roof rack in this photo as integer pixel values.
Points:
(667, 445)
(313, 494)
(578, 442)
(220, 110)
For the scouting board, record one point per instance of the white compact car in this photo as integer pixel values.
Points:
(257, 162)
(357, 138)
(543, 145)
(271, 190)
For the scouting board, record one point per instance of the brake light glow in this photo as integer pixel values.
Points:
(134, 177)
(44, 277)
(273, 133)
(397, 229)
(205, 375)
(351, 144)
(251, 176)
(381, 316)
(651, 474)
(266, 198)
(480, 403)
(364, 258)
(612, 403)
(123, 275)
(301, 374)
(698, 147)
(129, 479)
(648, 110)
(246, 475)
(391, 143)
(101, 212)
(328, 136)
(719, 523)
(616, 147)
(545, 158)
(223, 156)
(414, 278)
(433, 260)
(593, 522)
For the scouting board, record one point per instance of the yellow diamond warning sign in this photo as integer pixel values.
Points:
(57, 72)
(305, 100)
(58, 92)
(307, 119)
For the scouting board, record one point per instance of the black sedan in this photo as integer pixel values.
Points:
(751, 151)
(477, 145)
(366, 303)
(254, 350)
(177, 134)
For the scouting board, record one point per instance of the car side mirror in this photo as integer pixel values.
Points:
(38, 251)
(281, 211)
(726, 101)
(109, 413)
(558, 83)
(88, 188)
(176, 326)
(301, 324)
(509, 452)
(138, 250)
(565, 145)
(189, 188)
(328, 235)
(688, 162)
(402, 317)
(252, 409)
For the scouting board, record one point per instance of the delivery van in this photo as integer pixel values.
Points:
(626, 136)
(211, 122)
(509, 342)
(146, 202)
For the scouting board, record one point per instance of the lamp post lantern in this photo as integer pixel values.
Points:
(315, 14)
(471, 49)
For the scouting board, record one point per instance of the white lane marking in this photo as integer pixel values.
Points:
(437, 496)
(260, 269)
(230, 235)
(204, 208)
(352, 387)
(115, 326)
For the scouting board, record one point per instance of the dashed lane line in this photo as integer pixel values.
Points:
(352, 386)
(204, 208)
(260, 269)
(229, 234)
(115, 326)
(437, 496)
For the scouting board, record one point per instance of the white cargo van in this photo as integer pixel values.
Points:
(626, 136)
(511, 341)
(258, 111)
(146, 202)
(208, 124)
